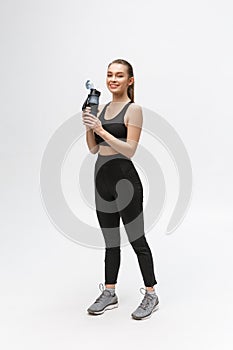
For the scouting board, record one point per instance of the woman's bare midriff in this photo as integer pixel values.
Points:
(106, 151)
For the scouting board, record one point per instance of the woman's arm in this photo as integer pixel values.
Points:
(90, 139)
(134, 126)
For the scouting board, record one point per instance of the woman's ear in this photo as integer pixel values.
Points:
(131, 81)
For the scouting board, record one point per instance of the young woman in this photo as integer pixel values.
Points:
(114, 133)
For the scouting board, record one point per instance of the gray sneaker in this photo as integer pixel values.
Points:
(104, 302)
(148, 305)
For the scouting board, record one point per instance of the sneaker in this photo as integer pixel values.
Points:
(148, 305)
(106, 301)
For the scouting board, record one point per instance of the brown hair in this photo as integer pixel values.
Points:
(130, 91)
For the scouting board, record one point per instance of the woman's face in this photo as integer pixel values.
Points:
(117, 78)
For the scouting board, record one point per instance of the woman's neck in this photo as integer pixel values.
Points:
(122, 99)
(116, 102)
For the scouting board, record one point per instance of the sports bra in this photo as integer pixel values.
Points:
(114, 126)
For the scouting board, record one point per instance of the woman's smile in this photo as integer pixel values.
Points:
(113, 86)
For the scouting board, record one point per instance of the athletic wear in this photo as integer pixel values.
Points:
(114, 126)
(106, 301)
(119, 193)
(149, 304)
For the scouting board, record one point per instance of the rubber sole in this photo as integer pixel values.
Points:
(107, 307)
(146, 317)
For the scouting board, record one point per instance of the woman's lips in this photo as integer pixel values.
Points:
(113, 86)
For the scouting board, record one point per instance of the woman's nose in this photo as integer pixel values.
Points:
(113, 78)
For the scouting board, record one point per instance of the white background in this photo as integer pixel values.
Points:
(182, 55)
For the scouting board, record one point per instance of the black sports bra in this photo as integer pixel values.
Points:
(114, 126)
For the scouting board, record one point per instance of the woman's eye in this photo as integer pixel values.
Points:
(119, 76)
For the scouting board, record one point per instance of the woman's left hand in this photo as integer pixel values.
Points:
(91, 120)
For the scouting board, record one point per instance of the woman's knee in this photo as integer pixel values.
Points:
(140, 242)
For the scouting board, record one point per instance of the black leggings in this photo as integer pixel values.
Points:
(115, 199)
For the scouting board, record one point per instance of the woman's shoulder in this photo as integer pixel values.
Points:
(135, 107)
(134, 114)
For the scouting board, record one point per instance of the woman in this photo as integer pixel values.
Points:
(114, 133)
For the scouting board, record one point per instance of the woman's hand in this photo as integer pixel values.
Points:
(91, 121)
